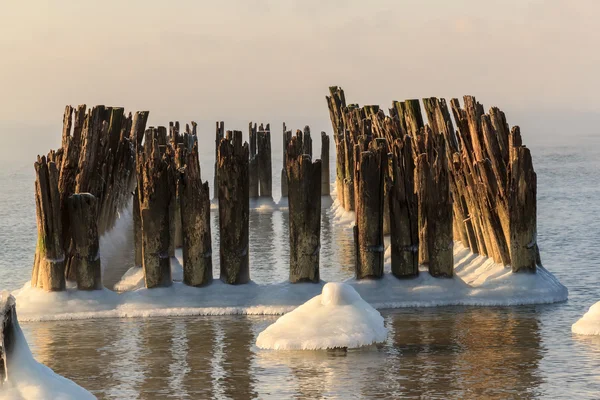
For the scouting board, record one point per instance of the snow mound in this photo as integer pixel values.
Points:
(28, 379)
(336, 318)
(589, 324)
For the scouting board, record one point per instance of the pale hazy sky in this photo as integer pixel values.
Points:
(274, 60)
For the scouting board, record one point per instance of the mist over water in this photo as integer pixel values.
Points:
(447, 352)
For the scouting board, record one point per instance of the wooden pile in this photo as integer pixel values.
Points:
(304, 184)
(475, 185)
(260, 165)
(234, 208)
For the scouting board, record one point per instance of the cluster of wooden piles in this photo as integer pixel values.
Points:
(305, 140)
(428, 184)
(79, 190)
(107, 156)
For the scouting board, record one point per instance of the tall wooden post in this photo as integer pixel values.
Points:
(265, 170)
(220, 134)
(156, 183)
(325, 186)
(234, 209)
(304, 182)
(368, 231)
(137, 229)
(253, 165)
(49, 265)
(439, 217)
(195, 222)
(522, 206)
(287, 136)
(404, 237)
(83, 213)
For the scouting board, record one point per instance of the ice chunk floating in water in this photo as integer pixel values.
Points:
(28, 379)
(336, 318)
(589, 324)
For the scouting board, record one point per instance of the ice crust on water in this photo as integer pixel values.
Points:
(28, 379)
(589, 324)
(338, 317)
(478, 282)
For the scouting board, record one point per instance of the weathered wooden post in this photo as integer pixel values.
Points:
(304, 183)
(195, 222)
(137, 229)
(253, 164)
(234, 209)
(220, 134)
(156, 183)
(287, 136)
(325, 186)
(49, 264)
(404, 236)
(83, 214)
(368, 231)
(439, 217)
(522, 206)
(265, 171)
(307, 141)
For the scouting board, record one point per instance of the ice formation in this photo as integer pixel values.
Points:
(589, 324)
(28, 379)
(336, 318)
(478, 281)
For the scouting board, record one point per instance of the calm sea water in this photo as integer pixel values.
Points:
(447, 352)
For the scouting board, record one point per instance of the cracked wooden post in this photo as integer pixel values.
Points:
(83, 212)
(8, 319)
(253, 164)
(195, 221)
(439, 217)
(156, 183)
(137, 229)
(287, 136)
(307, 141)
(325, 186)
(265, 170)
(304, 183)
(220, 134)
(368, 231)
(234, 209)
(404, 236)
(336, 103)
(68, 169)
(522, 206)
(49, 264)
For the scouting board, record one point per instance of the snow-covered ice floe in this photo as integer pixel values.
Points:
(589, 324)
(336, 318)
(28, 379)
(478, 281)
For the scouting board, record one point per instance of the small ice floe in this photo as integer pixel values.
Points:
(589, 324)
(337, 318)
(23, 377)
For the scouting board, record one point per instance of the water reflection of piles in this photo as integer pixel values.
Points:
(67, 347)
(237, 381)
(262, 246)
(466, 348)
